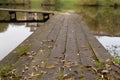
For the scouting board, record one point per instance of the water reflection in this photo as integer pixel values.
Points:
(102, 20)
(12, 34)
(3, 27)
(12, 37)
(112, 44)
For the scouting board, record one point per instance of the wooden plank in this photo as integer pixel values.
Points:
(21, 21)
(86, 55)
(31, 11)
(72, 63)
(57, 54)
(36, 45)
(101, 54)
(43, 57)
(63, 49)
(98, 49)
(31, 40)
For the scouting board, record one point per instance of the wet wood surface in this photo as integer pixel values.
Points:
(65, 49)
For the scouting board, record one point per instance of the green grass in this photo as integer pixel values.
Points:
(60, 76)
(4, 71)
(66, 5)
(22, 50)
(100, 65)
(117, 60)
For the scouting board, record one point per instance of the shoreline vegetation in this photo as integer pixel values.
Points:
(100, 5)
(88, 3)
(85, 5)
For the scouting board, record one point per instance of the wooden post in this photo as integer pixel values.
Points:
(31, 16)
(46, 16)
(13, 16)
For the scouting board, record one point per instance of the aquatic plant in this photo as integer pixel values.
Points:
(22, 50)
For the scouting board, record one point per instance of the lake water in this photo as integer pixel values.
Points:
(104, 23)
(12, 34)
(112, 44)
(12, 37)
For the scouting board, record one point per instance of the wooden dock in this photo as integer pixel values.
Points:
(62, 49)
(29, 11)
(13, 15)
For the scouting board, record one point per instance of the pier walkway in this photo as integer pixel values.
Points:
(29, 11)
(62, 49)
(31, 14)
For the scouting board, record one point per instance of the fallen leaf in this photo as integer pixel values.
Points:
(42, 64)
(84, 47)
(41, 43)
(105, 71)
(108, 60)
(78, 54)
(23, 71)
(50, 47)
(43, 72)
(38, 66)
(35, 68)
(50, 67)
(13, 71)
(92, 68)
(75, 64)
(50, 40)
(33, 74)
(41, 50)
(107, 66)
(55, 62)
(44, 40)
(30, 56)
(26, 67)
(70, 79)
(88, 66)
(67, 65)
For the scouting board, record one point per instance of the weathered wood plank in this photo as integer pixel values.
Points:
(57, 54)
(43, 57)
(98, 49)
(86, 55)
(31, 11)
(64, 49)
(71, 61)
(32, 41)
(38, 42)
(101, 54)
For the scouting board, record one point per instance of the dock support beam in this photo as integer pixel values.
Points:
(13, 16)
(46, 16)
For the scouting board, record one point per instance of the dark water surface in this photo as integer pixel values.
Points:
(12, 37)
(104, 23)
(12, 34)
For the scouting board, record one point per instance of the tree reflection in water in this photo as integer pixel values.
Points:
(112, 44)
(115, 50)
(101, 20)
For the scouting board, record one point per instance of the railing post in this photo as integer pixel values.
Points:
(13, 16)
(46, 16)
